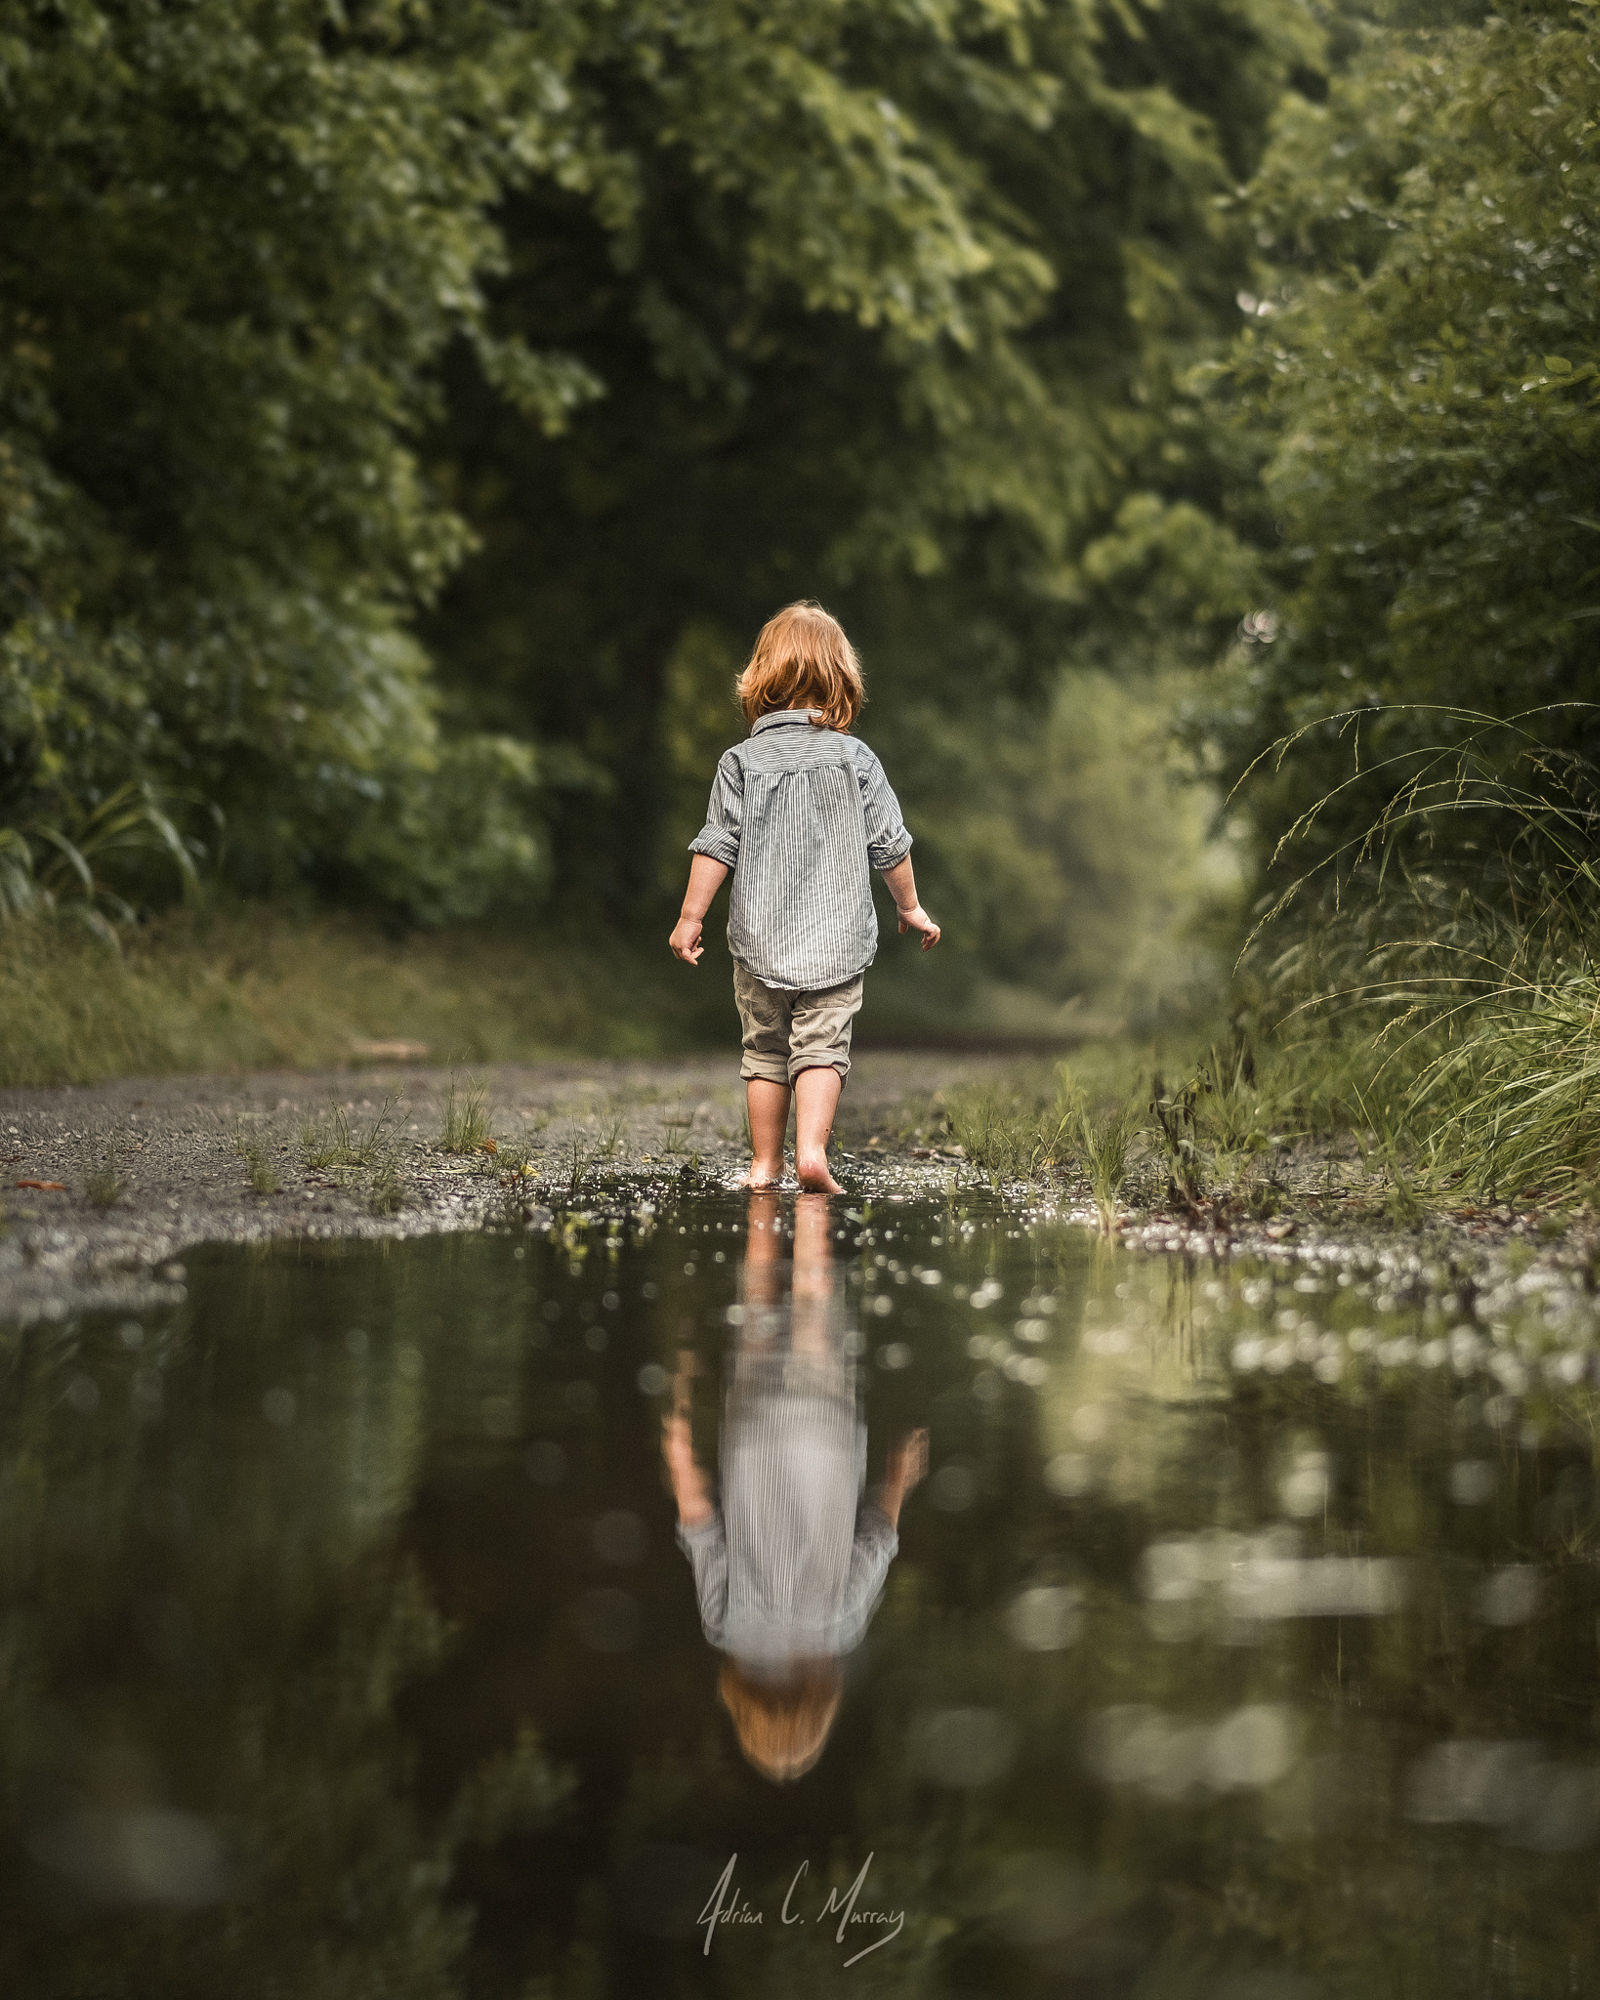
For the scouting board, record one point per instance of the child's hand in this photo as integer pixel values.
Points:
(917, 919)
(908, 1461)
(685, 940)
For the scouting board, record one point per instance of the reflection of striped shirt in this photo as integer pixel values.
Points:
(801, 814)
(791, 1565)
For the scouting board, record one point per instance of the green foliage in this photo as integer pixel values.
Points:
(1073, 855)
(105, 1184)
(1410, 420)
(233, 242)
(666, 316)
(1007, 1132)
(891, 307)
(261, 989)
(262, 1168)
(1423, 365)
(1103, 1139)
(333, 1139)
(50, 869)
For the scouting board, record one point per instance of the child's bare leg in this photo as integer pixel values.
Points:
(816, 1098)
(813, 1274)
(768, 1105)
(762, 1244)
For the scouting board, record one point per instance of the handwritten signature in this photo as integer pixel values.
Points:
(727, 1905)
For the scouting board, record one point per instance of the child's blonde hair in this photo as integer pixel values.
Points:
(803, 660)
(782, 1725)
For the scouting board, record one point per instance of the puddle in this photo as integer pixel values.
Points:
(1240, 1641)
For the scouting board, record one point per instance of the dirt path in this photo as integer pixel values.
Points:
(137, 1173)
(149, 1167)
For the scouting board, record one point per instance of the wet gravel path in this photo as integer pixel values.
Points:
(127, 1177)
(131, 1174)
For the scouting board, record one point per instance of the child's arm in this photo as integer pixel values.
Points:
(715, 849)
(690, 1487)
(907, 1464)
(889, 846)
(877, 1537)
(706, 877)
(700, 1533)
(913, 917)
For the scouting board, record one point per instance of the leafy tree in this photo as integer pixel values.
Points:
(1424, 360)
(670, 315)
(233, 239)
(888, 304)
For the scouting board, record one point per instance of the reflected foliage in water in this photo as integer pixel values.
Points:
(1241, 1640)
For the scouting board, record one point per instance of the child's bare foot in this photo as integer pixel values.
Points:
(812, 1170)
(763, 1174)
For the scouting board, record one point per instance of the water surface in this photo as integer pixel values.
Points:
(1240, 1643)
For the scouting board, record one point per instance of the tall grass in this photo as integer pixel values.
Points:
(1104, 1139)
(1443, 956)
(1007, 1134)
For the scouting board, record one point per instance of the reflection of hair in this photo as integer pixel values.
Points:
(803, 660)
(782, 1724)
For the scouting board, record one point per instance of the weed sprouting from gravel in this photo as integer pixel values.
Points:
(334, 1139)
(468, 1120)
(259, 1164)
(105, 1185)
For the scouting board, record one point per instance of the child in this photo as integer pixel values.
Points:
(790, 1556)
(800, 813)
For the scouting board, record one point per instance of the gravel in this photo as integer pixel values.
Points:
(148, 1168)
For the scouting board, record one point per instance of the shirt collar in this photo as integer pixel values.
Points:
(781, 716)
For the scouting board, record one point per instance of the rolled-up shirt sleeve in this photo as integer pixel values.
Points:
(874, 1548)
(887, 839)
(706, 1546)
(719, 837)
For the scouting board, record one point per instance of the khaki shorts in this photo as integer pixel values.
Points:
(785, 1033)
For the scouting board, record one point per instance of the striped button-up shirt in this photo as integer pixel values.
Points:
(802, 814)
(791, 1563)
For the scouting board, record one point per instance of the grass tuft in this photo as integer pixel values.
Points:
(1007, 1134)
(1104, 1139)
(468, 1124)
(259, 1165)
(333, 1139)
(105, 1185)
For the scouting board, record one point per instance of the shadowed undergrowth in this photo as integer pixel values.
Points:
(1416, 1017)
(256, 988)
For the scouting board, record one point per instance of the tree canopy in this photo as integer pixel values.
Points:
(410, 410)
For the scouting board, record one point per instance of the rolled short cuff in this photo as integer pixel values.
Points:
(797, 1063)
(718, 846)
(890, 853)
(754, 1067)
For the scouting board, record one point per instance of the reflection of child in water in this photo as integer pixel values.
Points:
(790, 1565)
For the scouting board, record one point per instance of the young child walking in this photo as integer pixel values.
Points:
(800, 814)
